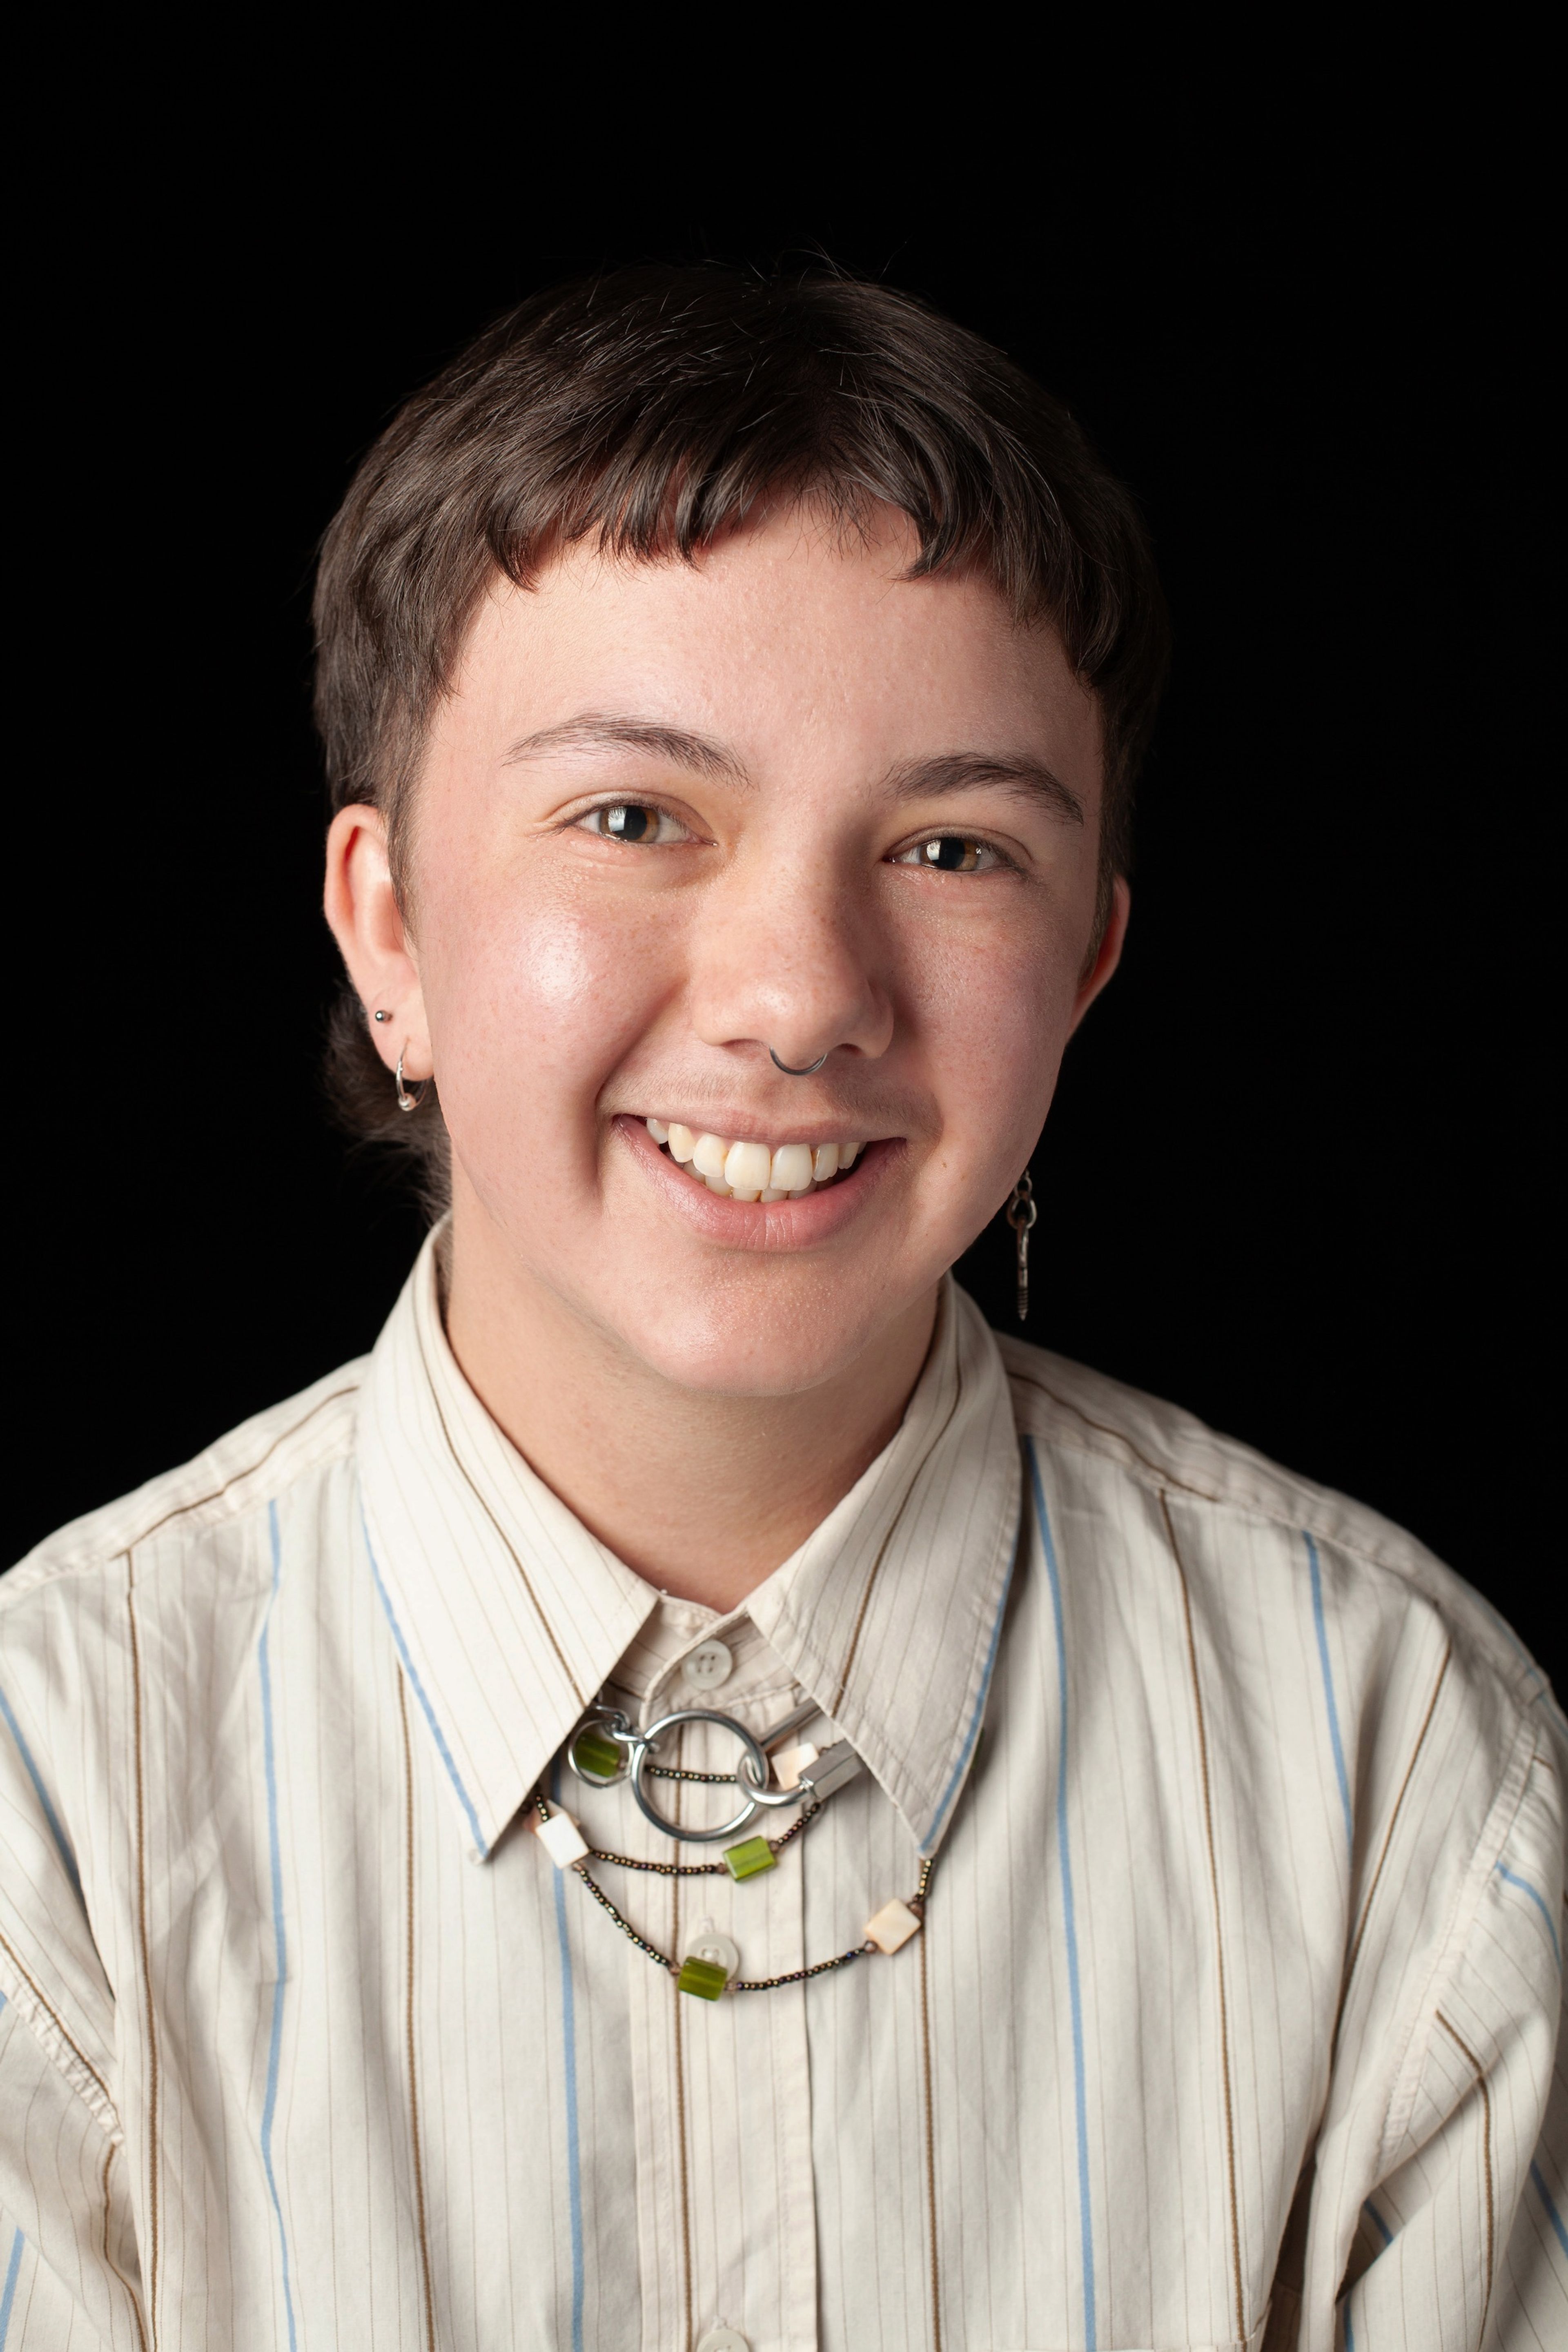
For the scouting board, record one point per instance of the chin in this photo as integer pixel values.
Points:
(731, 1342)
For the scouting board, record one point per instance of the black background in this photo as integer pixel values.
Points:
(1295, 1177)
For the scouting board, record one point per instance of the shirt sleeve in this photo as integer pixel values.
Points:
(1532, 2307)
(68, 2239)
(1461, 2243)
(66, 2233)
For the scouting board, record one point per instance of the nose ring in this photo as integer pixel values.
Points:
(802, 1073)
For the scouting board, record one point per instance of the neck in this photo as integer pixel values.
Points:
(702, 1493)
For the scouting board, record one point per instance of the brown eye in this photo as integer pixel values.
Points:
(949, 852)
(634, 821)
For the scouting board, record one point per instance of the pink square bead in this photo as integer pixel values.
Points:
(890, 1927)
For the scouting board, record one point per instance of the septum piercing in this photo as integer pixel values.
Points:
(802, 1073)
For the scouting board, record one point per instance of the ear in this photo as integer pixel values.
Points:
(1108, 955)
(367, 923)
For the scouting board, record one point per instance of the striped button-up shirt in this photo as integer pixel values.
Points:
(1233, 2018)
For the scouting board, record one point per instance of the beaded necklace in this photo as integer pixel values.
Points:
(605, 1746)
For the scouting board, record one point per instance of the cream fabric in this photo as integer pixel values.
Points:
(1234, 2019)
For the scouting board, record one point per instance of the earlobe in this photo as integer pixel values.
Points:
(362, 912)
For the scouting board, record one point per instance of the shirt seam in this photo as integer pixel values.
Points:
(36, 2012)
(1153, 1480)
(34, 1574)
(1156, 1476)
(1508, 1795)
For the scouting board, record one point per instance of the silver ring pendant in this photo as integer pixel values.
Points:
(757, 1778)
(762, 1795)
(804, 1071)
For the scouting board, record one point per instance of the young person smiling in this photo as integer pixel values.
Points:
(1122, 1903)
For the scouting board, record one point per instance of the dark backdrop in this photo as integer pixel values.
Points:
(1295, 1174)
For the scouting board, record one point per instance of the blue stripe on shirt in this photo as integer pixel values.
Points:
(409, 1668)
(1539, 1900)
(1328, 1699)
(1081, 2099)
(978, 1713)
(50, 1815)
(9, 2295)
(1378, 2223)
(1552, 2215)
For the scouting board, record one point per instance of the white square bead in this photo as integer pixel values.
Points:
(788, 1767)
(562, 1839)
(890, 1927)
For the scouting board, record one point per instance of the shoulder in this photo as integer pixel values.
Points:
(1242, 1514)
(122, 1641)
(227, 1483)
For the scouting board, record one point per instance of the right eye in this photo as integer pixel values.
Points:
(638, 822)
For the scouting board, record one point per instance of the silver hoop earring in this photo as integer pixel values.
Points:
(806, 1069)
(406, 1101)
(1022, 1211)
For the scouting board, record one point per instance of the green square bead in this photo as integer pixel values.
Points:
(598, 1756)
(749, 1858)
(704, 1978)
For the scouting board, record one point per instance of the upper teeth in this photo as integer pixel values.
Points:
(753, 1171)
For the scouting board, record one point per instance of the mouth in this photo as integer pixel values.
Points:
(747, 1170)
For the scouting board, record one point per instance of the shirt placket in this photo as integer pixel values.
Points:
(726, 2220)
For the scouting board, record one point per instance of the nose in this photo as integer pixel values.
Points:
(785, 960)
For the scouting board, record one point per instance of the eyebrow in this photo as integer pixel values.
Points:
(948, 772)
(962, 771)
(601, 732)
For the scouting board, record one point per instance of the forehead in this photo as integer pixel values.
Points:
(797, 636)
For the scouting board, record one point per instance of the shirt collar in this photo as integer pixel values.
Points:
(510, 1616)
(890, 1612)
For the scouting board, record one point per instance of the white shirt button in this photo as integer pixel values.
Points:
(707, 1666)
(722, 2340)
(709, 1943)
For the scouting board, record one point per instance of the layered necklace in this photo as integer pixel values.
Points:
(606, 1747)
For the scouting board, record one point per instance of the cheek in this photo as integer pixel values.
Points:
(998, 1017)
(532, 1009)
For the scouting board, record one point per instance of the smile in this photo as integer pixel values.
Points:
(752, 1172)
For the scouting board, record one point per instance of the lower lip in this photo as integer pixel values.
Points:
(762, 1225)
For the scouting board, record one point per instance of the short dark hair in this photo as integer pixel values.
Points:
(654, 409)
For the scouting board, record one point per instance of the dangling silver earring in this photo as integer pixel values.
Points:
(406, 1101)
(1022, 1211)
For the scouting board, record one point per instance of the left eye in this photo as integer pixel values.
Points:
(949, 852)
(634, 821)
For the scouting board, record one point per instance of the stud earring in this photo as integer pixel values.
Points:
(1022, 1211)
(381, 1016)
(406, 1101)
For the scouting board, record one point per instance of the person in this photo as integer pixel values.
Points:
(698, 1797)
